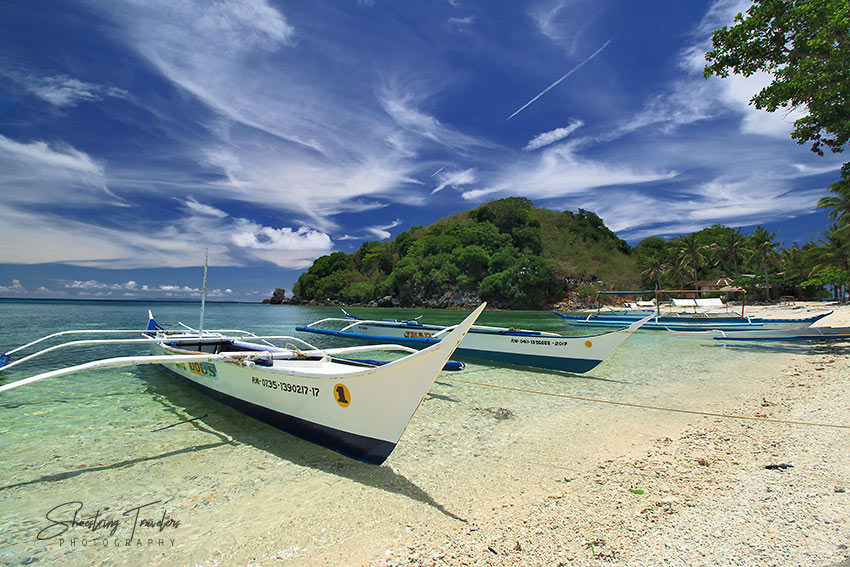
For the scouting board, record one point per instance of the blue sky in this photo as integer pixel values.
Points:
(134, 134)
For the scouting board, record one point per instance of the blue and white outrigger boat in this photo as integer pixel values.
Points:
(355, 407)
(772, 335)
(688, 322)
(539, 349)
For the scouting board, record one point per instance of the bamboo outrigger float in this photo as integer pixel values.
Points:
(359, 408)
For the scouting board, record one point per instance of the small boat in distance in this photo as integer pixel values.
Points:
(539, 349)
(359, 408)
(689, 322)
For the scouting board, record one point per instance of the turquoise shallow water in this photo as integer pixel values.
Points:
(236, 487)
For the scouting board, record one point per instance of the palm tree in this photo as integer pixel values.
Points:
(733, 246)
(690, 254)
(839, 204)
(763, 251)
(654, 268)
(834, 252)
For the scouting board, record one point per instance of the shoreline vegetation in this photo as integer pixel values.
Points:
(517, 256)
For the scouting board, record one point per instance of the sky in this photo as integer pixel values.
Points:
(136, 134)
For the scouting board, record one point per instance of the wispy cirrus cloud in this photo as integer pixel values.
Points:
(456, 179)
(290, 139)
(63, 90)
(731, 200)
(382, 231)
(402, 108)
(691, 98)
(559, 171)
(57, 173)
(547, 138)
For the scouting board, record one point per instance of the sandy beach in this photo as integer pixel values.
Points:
(717, 492)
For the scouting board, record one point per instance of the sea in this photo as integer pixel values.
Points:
(130, 466)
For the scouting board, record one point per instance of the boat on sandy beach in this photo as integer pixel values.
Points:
(689, 322)
(806, 334)
(539, 349)
(355, 407)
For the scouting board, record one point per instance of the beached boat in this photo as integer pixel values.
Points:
(355, 407)
(539, 349)
(807, 334)
(689, 322)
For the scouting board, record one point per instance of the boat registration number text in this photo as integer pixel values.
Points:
(286, 386)
(542, 342)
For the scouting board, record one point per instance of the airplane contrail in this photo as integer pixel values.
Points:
(567, 74)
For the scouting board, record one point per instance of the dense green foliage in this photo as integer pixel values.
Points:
(755, 262)
(805, 46)
(515, 255)
(507, 252)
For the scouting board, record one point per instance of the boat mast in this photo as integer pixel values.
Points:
(203, 293)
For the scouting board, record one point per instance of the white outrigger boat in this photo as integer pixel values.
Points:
(807, 334)
(540, 349)
(355, 407)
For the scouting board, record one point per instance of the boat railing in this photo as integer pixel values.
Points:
(442, 330)
(161, 337)
(112, 332)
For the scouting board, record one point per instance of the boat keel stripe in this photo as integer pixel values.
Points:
(575, 365)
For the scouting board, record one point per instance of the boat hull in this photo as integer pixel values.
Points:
(363, 448)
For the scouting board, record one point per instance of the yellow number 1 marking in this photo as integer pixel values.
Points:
(342, 395)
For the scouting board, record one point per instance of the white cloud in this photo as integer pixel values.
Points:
(546, 138)
(205, 210)
(558, 171)
(563, 21)
(693, 98)
(38, 173)
(267, 238)
(290, 139)
(31, 237)
(738, 201)
(14, 289)
(94, 284)
(306, 184)
(96, 288)
(455, 179)
(382, 232)
(461, 22)
(62, 90)
(402, 108)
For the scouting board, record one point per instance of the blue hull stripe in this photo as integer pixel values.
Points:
(365, 449)
(577, 365)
